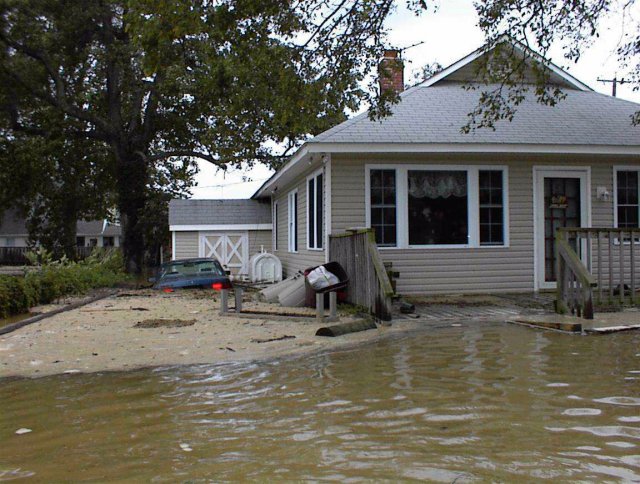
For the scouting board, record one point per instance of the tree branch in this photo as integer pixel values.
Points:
(182, 153)
(60, 99)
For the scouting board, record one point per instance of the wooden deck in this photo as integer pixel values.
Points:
(603, 323)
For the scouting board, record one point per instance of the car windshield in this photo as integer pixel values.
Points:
(192, 268)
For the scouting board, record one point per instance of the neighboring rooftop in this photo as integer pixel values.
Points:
(13, 224)
(219, 212)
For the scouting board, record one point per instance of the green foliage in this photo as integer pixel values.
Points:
(572, 26)
(55, 279)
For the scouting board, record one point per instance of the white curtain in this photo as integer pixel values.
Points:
(437, 184)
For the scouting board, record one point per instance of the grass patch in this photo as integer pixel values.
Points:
(55, 279)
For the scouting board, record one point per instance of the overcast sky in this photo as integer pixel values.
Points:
(448, 35)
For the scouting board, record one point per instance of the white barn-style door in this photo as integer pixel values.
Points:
(231, 249)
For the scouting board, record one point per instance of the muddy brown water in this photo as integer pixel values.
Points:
(16, 319)
(469, 403)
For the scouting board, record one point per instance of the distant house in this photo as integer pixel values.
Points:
(228, 230)
(93, 233)
(453, 212)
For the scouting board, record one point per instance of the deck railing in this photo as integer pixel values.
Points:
(596, 266)
(369, 284)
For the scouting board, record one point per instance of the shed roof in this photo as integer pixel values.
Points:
(219, 212)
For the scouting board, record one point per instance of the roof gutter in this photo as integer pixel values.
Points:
(475, 148)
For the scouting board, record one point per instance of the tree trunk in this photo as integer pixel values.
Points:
(132, 178)
(68, 229)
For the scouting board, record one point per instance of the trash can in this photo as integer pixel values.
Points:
(336, 269)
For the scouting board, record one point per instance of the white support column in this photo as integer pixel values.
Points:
(327, 204)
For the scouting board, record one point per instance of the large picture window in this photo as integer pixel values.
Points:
(383, 206)
(627, 208)
(439, 206)
(438, 213)
(314, 211)
(293, 221)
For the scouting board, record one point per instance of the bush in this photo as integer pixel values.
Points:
(54, 279)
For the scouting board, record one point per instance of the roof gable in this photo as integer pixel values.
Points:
(465, 70)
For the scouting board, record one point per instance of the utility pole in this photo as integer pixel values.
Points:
(614, 83)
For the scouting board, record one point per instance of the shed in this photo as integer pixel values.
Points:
(228, 230)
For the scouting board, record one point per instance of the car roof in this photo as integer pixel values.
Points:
(197, 259)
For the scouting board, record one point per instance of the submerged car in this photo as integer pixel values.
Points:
(191, 273)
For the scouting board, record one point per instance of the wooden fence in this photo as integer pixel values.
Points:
(596, 266)
(17, 256)
(369, 285)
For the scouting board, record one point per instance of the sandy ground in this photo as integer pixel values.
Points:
(102, 336)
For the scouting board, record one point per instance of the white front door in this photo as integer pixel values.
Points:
(231, 249)
(561, 199)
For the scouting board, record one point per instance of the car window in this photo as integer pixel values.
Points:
(197, 268)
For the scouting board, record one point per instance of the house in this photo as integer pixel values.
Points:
(91, 233)
(228, 230)
(454, 212)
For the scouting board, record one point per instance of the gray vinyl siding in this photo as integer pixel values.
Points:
(187, 245)
(466, 270)
(258, 238)
(293, 262)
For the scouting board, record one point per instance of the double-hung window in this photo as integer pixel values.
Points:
(292, 214)
(382, 197)
(491, 206)
(315, 204)
(627, 208)
(437, 206)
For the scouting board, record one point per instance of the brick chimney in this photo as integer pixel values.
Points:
(391, 72)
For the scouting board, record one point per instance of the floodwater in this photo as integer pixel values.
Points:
(15, 319)
(468, 403)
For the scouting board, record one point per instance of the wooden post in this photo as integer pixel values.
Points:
(238, 295)
(560, 278)
(633, 268)
(333, 306)
(599, 267)
(610, 267)
(224, 301)
(320, 307)
(621, 256)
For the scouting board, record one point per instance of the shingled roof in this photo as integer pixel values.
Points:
(430, 118)
(218, 212)
(436, 114)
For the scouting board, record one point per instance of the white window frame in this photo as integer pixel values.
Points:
(314, 176)
(275, 226)
(616, 169)
(292, 220)
(473, 200)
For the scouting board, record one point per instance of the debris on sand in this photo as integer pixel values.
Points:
(164, 323)
(279, 338)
